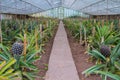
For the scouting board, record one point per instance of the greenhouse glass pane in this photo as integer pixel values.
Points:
(36, 6)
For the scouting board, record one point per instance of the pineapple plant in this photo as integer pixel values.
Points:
(109, 67)
(17, 49)
(13, 31)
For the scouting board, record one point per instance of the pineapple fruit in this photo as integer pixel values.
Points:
(105, 50)
(17, 48)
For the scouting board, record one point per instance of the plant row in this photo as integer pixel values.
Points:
(22, 43)
(101, 39)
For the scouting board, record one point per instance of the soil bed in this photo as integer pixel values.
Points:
(80, 58)
(42, 64)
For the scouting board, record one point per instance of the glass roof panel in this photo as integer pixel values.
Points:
(35, 6)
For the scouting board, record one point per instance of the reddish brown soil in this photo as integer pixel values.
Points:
(81, 59)
(42, 64)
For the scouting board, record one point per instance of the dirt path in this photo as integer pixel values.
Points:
(81, 59)
(43, 62)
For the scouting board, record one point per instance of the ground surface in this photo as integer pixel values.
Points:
(80, 59)
(43, 62)
(61, 64)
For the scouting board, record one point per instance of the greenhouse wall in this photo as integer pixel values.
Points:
(5, 16)
(61, 13)
(106, 16)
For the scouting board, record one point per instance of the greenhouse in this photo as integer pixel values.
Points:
(59, 39)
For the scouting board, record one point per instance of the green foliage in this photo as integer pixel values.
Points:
(97, 55)
(108, 67)
(74, 28)
(7, 72)
(99, 33)
(25, 63)
(104, 35)
(4, 53)
(24, 66)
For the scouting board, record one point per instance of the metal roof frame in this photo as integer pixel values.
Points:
(45, 5)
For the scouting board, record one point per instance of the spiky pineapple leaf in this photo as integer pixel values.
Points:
(97, 55)
(117, 65)
(28, 65)
(2, 64)
(113, 76)
(32, 55)
(14, 74)
(26, 74)
(93, 69)
(3, 56)
(4, 78)
(9, 71)
(9, 63)
(6, 52)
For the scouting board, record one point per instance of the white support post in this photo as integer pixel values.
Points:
(0, 29)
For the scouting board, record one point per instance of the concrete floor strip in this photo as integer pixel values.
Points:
(61, 64)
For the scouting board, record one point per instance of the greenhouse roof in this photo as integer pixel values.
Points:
(93, 7)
